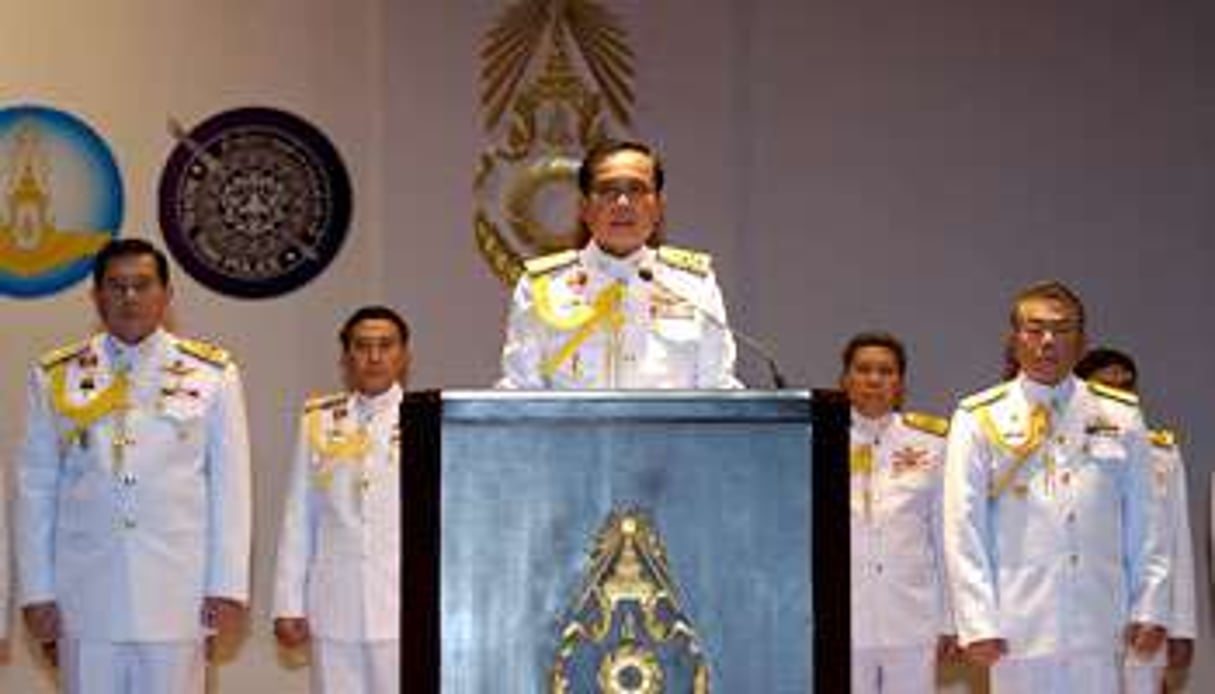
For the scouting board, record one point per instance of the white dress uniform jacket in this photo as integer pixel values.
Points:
(339, 552)
(589, 320)
(1054, 532)
(898, 568)
(1148, 677)
(133, 487)
(1170, 471)
(5, 556)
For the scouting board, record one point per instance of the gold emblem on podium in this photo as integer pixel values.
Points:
(556, 78)
(627, 631)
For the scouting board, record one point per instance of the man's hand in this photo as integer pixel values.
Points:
(986, 651)
(42, 620)
(1144, 639)
(224, 615)
(948, 650)
(224, 618)
(1181, 653)
(43, 624)
(291, 632)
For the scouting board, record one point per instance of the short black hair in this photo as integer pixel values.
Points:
(875, 339)
(1053, 290)
(372, 312)
(128, 248)
(1100, 357)
(596, 154)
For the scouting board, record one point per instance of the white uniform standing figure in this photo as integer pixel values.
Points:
(338, 580)
(133, 523)
(1056, 546)
(900, 614)
(1117, 369)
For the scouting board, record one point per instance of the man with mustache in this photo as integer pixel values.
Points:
(623, 311)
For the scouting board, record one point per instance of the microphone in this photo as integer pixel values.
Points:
(778, 378)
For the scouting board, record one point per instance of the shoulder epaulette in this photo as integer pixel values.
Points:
(325, 402)
(927, 423)
(216, 356)
(1122, 396)
(1163, 438)
(694, 262)
(553, 261)
(986, 397)
(59, 355)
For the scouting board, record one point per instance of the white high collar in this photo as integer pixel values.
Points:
(370, 406)
(128, 356)
(623, 269)
(871, 427)
(1043, 394)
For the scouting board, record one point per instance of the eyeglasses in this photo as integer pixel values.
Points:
(138, 288)
(611, 191)
(1037, 330)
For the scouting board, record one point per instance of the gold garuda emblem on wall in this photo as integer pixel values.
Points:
(627, 631)
(556, 78)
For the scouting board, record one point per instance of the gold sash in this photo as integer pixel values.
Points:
(604, 310)
(1039, 429)
(113, 398)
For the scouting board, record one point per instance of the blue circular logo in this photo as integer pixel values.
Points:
(254, 202)
(61, 200)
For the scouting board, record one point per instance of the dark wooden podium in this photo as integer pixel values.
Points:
(506, 495)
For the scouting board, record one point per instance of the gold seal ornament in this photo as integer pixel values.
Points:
(630, 670)
(556, 78)
(627, 630)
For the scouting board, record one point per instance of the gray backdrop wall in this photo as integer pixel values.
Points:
(852, 165)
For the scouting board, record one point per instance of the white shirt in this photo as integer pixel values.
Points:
(5, 573)
(1059, 552)
(339, 551)
(602, 322)
(128, 515)
(898, 595)
(1170, 470)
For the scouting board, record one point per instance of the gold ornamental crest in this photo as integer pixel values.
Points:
(627, 631)
(556, 78)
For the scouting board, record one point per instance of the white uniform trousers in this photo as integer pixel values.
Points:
(355, 667)
(1144, 677)
(102, 667)
(1078, 674)
(910, 670)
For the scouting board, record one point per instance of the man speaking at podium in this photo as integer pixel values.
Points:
(623, 311)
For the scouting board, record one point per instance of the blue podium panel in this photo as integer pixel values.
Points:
(625, 542)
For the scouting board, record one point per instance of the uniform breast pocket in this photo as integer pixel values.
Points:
(182, 424)
(1106, 448)
(677, 330)
(915, 488)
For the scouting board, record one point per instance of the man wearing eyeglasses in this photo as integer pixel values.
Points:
(1056, 547)
(623, 311)
(133, 523)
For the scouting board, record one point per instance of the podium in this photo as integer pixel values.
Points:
(670, 541)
